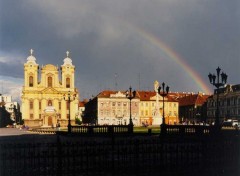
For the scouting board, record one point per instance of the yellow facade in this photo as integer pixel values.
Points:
(147, 108)
(47, 92)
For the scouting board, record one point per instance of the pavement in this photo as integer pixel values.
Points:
(12, 132)
(19, 135)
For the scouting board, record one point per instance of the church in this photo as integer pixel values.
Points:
(49, 96)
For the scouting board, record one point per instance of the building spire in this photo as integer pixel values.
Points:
(67, 53)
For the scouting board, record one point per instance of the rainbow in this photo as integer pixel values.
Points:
(173, 55)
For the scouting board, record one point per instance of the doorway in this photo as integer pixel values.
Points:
(50, 121)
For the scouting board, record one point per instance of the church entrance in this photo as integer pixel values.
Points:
(50, 121)
(50, 117)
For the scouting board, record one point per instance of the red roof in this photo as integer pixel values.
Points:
(82, 103)
(195, 99)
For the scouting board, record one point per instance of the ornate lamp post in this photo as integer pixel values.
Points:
(130, 95)
(164, 93)
(217, 83)
(68, 98)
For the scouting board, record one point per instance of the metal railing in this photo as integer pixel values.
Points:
(121, 156)
(108, 129)
(188, 129)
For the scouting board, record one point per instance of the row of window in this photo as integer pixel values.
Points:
(225, 102)
(59, 116)
(124, 104)
(117, 113)
(125, 113)
(225, 113)
(31, 105)
(146, 104)
(169, 113)
(49, 82)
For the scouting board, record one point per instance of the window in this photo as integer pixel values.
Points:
(146, 113)
(31, 116)
(49, 102)
(40, 105)
(30, 81)
(67, 82)
(39, 116)
(59, 105)
(68, 105)
(31, 104)
(49, 81)
(114, 113)
(113, 103)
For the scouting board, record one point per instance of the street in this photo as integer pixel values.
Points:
(12, 132)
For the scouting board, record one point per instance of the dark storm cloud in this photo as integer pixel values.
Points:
(103, 38)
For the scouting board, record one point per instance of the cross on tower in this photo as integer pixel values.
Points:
(67, 53)
(31, 52)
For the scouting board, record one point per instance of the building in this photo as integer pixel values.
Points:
(81, 109)
(148, 106)
(49, 95)
(193, 108)
(5, 116)
(229, 103)
(111, 108)
(12, 107)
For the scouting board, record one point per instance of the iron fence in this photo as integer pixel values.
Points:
(121, 156)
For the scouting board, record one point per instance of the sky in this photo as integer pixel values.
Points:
(115, 44)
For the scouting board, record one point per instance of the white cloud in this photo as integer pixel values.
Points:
(11, 86)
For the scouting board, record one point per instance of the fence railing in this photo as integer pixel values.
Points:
(121, 156)
(187, 129)
(108, 129)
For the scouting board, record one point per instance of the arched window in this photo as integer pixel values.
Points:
(49, 81)
(67, 82)
(31, 105)
(49, 102)
(30, 81)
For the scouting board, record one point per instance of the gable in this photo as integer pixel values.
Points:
(49, 90)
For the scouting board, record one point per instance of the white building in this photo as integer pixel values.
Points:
(11, 106)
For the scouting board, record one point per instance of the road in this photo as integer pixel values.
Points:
(12, 132)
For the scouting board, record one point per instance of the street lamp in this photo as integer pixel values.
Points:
(69, 98)
(218, 84)
(130, 95)
(164, 93)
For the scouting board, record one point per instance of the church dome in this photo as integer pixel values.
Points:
(67, 60)
(31, 58)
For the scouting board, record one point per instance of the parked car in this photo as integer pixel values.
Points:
(231, 124)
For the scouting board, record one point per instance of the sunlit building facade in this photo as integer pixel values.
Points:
(112, 108)
(147, 108)
(47, 92)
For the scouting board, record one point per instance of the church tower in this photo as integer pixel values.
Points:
(31, 71)
(46, 99)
